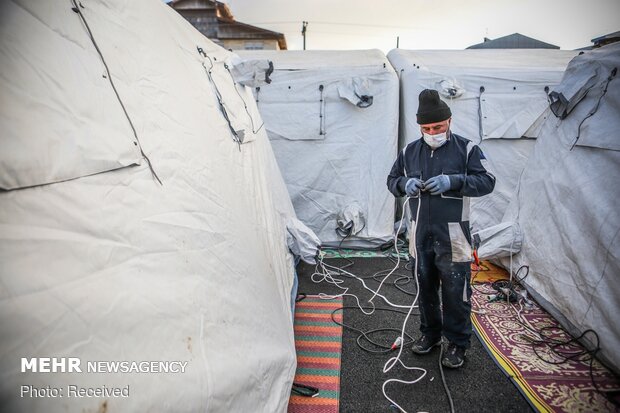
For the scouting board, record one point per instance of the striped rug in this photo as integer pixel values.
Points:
(318, 341)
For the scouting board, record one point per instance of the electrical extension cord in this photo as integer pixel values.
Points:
(397, 343)
(327, 276)
(392, 362)
(396, 249)
(443, 378)
(326, 273)
(329, 279)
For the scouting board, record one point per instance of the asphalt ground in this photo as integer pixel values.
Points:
(478, 386)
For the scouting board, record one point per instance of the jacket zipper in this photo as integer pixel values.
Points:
(430, 168)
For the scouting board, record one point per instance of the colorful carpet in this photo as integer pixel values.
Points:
(318, 341)
(348, 253)
(487, 272)
(564, 387)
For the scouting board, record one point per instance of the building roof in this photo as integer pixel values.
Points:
(232, 29)
(227, 27)
(223, 10)
(513, 41)
(606, 39)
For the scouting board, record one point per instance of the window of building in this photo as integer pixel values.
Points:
(254, 45)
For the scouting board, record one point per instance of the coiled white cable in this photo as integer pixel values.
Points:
(392, 362)
(327, 272)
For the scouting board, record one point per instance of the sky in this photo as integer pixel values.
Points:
(429, 24)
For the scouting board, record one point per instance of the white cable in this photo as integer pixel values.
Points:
(326, 271)
(327, 276)
(395, 247)
(366, 287)
(392, 362)
(403, 382)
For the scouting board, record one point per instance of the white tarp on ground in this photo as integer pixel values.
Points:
(498, 100)
(100, 262)
(332, 119)
(566, 202)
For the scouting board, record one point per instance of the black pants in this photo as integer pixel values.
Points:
(436, 269)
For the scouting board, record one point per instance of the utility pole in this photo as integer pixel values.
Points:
(397, 41)
(303, 32)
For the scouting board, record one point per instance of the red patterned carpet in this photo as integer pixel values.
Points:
(563, 387)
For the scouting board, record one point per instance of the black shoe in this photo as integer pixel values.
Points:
(454, 356)
(424, 345)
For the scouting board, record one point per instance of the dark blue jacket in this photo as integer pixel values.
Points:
(458, 158)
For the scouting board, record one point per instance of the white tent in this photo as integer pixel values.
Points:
(498, 100)
(557, 190)
(566, 201)
(98, 260)
(332, 119)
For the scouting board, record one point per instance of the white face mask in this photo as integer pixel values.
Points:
(435, 141)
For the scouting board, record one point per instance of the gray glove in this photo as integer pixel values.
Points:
(413, 186)
(437, 184)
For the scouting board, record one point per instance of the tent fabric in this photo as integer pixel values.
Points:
(498, 241)
(301, 241)
(251, 73)
(102, 263)
(590, 78)
(332, 119)
(565, 205)
(291, 60)
(497, 98)
(509, 78)
(58, 98)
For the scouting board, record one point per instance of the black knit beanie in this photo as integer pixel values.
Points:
(432, 109)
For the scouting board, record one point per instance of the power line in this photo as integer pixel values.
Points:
(354, 34)
(371, 25)
(280, 22)
(344, 24)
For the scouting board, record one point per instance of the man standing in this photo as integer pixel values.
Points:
(439, 172)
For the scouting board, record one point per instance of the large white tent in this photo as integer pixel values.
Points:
(566, 198)
(556, 175)
(498, 100)
(100, 101)
(332, 119)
